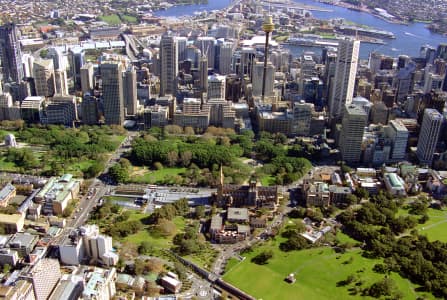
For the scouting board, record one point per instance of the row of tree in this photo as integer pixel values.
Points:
(203, 154)
(413, 256)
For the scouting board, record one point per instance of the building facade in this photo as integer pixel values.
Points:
(429, 135)
(342, 89)
(112, 92)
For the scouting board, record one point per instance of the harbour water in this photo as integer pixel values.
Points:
(409, 38)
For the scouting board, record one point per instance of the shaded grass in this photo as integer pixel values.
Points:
(146, 234)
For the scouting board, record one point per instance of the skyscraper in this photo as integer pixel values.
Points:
(206, 44)
(89, 110)
(44, 77)
(267, 27)
(353, 124)
(60, 77)
(169, 65)
(203, 74)
(130, 91)
(182, 42)
(343, 83)
(11, 54)
(399, 136)
(429, 135)
(225, 56)
(216, 87)
(257, 79)
(87, 78)
(77, 55)
(112, 92)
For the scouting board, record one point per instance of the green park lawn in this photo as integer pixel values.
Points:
(129, 19)
(152, 177)
(436, 227)
(317, 272)
(231, 263)
(111, 19)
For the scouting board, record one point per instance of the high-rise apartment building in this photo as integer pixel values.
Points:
(168, 65)
(353, 124)
(429, 135)
(11, 54)
(343, 83)
(112, 92)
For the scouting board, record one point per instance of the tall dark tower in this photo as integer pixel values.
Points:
(203, 74)
(268, 27)
(11, 54)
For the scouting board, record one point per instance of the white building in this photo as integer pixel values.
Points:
(342, 89)
(71, 250)
(399, 135)
(394, 184)
(97, 246)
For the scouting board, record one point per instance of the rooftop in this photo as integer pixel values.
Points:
(22, 239)
(4, 192)
(237, 214)
(11, 219)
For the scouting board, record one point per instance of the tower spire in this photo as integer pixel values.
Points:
(267, 27)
